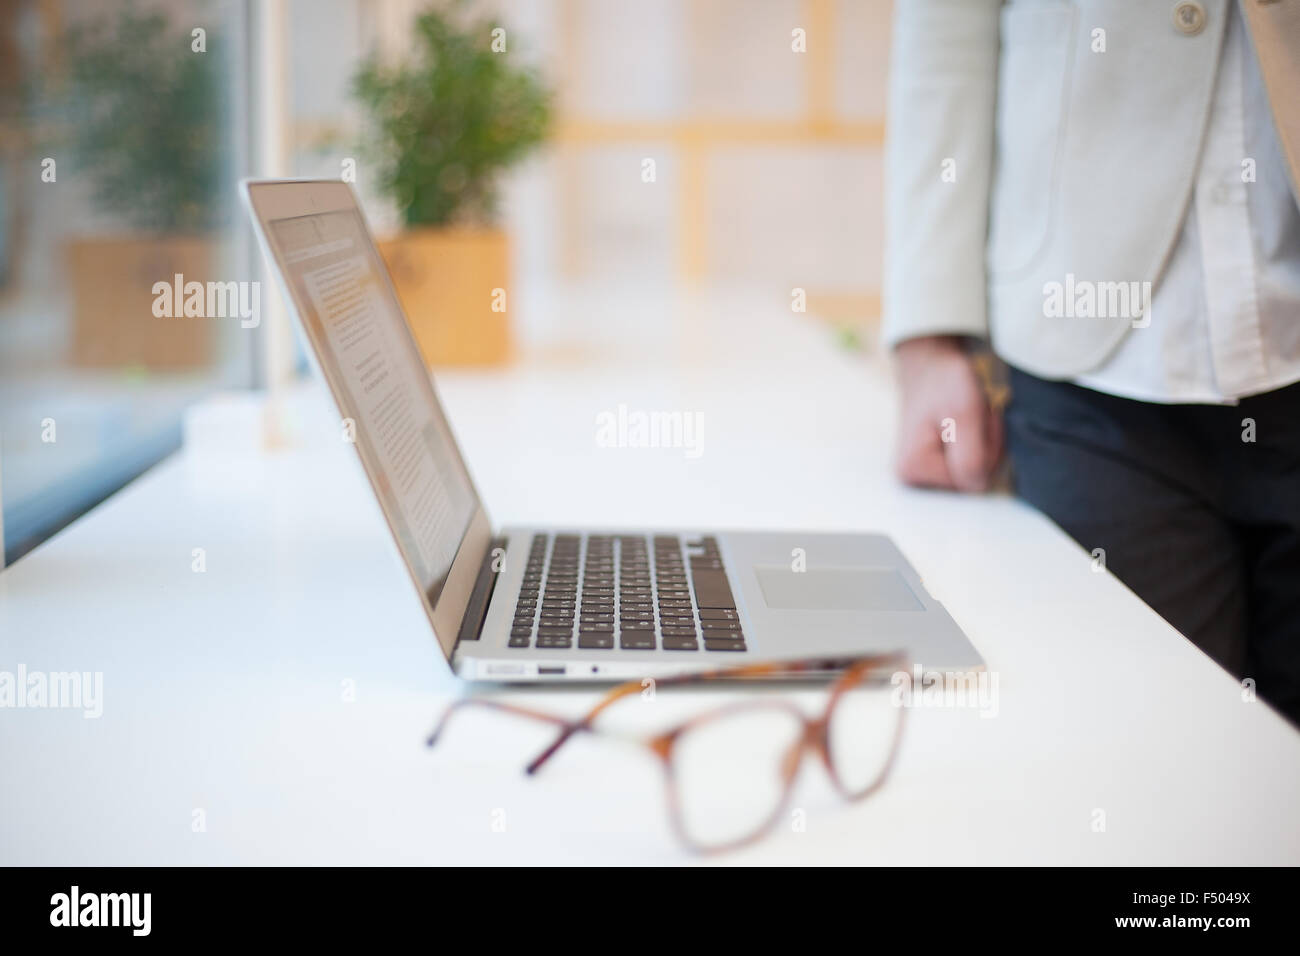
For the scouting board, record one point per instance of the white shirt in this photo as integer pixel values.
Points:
(1225, 316)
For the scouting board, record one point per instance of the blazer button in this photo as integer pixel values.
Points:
(1189, 18)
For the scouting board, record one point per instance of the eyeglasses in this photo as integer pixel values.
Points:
(731, 771)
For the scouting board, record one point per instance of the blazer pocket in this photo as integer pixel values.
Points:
(1037, 38)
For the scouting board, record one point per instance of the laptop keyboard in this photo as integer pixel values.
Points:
(631, 592)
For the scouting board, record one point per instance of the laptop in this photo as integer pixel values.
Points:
(522, 604)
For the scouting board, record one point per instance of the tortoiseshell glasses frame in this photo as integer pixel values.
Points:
(851, 673)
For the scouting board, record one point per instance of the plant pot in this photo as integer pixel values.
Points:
(112, 290)
(448, 281)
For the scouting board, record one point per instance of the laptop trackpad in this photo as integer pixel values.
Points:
(836, 589)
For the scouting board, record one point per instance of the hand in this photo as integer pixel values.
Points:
(948, 436)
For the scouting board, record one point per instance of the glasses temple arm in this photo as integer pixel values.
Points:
(491, 705)
(584, 723)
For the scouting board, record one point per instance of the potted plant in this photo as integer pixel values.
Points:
(143, 116)
(443, 125)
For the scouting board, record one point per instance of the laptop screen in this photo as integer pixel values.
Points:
(385, 392)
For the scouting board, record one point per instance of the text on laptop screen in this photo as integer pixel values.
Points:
(341, 294)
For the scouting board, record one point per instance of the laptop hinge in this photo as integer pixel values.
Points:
(471, 625)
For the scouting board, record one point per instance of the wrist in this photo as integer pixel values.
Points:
(928, 346)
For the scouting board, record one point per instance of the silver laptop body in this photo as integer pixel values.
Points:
(564, 604)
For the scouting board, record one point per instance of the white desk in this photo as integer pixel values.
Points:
(222, 690)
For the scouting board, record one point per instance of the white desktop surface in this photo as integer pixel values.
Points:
(224, 690)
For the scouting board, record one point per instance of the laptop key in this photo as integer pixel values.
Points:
(637, 640)
(680, 644)
(712, 589)
(723, 645)
(596, 641)
(717, 614)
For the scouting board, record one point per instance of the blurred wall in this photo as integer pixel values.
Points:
(767, 160)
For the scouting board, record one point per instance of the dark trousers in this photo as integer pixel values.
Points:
(1198, 520)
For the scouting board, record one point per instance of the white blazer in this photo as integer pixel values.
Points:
(1041, 142)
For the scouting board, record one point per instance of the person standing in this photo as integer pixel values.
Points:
(1105, 191)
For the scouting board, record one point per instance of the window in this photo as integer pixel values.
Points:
(122, 137)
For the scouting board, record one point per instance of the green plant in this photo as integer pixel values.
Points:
(447, 122)
(144, 117)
